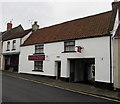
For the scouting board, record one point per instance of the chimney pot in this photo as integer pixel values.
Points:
(35, 22)
(116, 5)
(35, 26)
(9, 25)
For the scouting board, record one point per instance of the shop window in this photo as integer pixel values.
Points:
(38, 66)
(13, 47)
(69, 46)
(39, 49)
(8, 46)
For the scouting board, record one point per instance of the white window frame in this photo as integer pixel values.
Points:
(8, 46)
(39, 49)
(69, 46)
(13, 45)
(38, 66)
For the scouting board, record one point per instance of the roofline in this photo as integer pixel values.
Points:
(116, 37)
(13, 28)
(18, 37)
(69, 39)
(71, 21)
(76, 19)
(112, 20)
(10, 39)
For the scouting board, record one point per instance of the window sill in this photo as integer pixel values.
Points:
(7, 50)
(69, 52)
(38, 70)
(38, 53)
(13, 49)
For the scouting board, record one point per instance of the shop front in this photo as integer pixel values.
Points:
(11, 62)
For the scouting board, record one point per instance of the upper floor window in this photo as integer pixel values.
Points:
(39, 48)
(13, 47)
(8, 46)
(69, 46)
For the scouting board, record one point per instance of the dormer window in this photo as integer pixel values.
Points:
(13, 45)
(8, 46)
(39, 49)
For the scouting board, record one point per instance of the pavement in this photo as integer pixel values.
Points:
(78, 87)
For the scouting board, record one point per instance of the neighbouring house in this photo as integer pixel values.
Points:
(12, 39)
(116, 46)
(0, 48)
(80, 50)
(116, 59)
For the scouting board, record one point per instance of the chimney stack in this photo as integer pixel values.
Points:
(9, 25)
(116, 6)
(35, 26)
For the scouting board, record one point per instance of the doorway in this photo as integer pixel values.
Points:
(58, 69)
(82, 70)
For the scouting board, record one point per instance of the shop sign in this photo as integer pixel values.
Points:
(36, 57)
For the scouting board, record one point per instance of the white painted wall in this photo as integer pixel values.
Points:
(97, 48)
(17, 45)
(25, 37)
(24, 64)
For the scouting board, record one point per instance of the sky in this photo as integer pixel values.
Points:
(48, 12)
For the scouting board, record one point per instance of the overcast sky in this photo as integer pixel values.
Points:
(49, 12)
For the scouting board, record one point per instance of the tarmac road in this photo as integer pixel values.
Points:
(20, 90)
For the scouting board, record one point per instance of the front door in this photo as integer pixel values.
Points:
(58, 67)
(72, 70)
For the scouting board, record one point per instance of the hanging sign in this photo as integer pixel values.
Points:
(79, 48)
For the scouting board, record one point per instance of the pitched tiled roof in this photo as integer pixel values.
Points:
(117, 34)
(20, 34)
(9, 33)
(17, 32)
(96, 25)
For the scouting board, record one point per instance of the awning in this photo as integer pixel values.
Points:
(11, 53)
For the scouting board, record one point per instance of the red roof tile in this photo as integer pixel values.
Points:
(96, 25)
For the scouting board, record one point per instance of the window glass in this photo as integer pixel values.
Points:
(69, 46)
(8, 46)
(39, 48)
(38, 65)
(14, 42)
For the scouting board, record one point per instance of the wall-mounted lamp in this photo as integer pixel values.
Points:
(79, 48)
(58, 56)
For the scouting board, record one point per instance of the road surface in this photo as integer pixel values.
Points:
(20, 90)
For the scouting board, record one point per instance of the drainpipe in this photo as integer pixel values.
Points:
(110, 60)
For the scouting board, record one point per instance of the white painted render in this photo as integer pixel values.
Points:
(98, 48)
(17, 46)
(19, 41)
(0, 50)
(25, 37)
